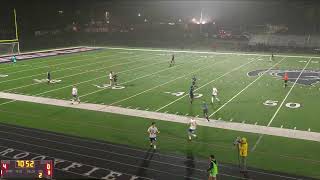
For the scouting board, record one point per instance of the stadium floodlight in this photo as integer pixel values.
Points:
(203, 22)
(139, 14)
(145, 20)
(197, 22)
(180, 20)
(194, 20)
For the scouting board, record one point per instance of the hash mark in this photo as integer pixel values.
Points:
(281, 126)
(309, 129)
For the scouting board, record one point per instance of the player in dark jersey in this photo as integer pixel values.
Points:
(205, 110)
(191, 95)
(48, 77)
(115, 79)
(272, 57)
(172, 62)
(194, 80)
(286, 78)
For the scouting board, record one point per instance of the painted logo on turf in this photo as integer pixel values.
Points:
(3, 75)
(53, 81)
(108, 86)
(308, 77)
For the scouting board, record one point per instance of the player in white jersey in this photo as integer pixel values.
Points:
(75, 96)
(111, 78)
(153, 131)
(192, 128)
(214, 94)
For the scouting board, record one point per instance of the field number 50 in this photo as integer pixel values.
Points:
(291, 105)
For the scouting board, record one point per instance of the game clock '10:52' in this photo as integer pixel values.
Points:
(27, 169)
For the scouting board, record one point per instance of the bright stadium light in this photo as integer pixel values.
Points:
(194, 20)
(145, 20)
(203, 22)
(139, 14)
(180, 20)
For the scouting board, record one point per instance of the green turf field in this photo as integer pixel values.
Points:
(150, 84)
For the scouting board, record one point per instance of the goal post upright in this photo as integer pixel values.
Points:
(16, 28)
(14, 42)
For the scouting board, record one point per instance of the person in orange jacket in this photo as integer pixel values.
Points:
(285, 78)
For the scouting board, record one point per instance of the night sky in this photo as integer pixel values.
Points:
(37, 14)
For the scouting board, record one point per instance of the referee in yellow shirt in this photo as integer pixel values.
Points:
(243, 153)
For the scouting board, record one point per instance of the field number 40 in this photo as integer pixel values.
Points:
(291, 105)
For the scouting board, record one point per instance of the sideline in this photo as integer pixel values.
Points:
(295, 134)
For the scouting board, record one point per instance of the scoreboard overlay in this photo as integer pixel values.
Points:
(27, 169)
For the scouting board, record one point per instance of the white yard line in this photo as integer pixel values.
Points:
(83, 72)
(130, 97)
(277, 111)
(93, 92)
(207, 52)
(234, 69)
(39, 94)
(235, 96)
(63, 69)
(290, 133)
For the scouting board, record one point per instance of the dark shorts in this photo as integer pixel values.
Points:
(153, 139)
(74, 96)
(205, 111)
(191, 131)
(191, 95)
(285, 81)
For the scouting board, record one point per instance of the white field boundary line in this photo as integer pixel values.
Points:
(69, 62)
(147, 90)
(64, 160)
(234, 69)
(83, 72)
(274, 131)
(143, 151)
(93, 92)
(42, 61)
(277, 111)
(250, 84)
(72, 47)
(207, 52)
(63, 69)
(88, 80)
(98, 158)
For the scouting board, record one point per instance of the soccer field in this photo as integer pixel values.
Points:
(250, 89)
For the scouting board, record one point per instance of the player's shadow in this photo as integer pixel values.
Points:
(146, 162)
(190, 165)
